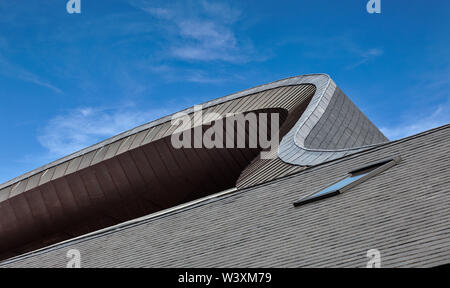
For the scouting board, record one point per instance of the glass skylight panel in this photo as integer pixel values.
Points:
(338, 185)
(349, 181)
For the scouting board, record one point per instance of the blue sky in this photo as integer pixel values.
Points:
(70, 80)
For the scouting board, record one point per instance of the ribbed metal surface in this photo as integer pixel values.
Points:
(324, 113)
(284, 97)
(336, 128)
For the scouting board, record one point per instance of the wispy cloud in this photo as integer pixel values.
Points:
(336, 48)
(441, 116)
(34, 79)
(206, 41)
(158, 12)
(82, 127)
(172, 74)
(9, 69)
(221, 11)
(204, 32)
(427, 112)
(365, 56)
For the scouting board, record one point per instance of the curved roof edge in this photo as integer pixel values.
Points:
(256, 89)
(292, 148)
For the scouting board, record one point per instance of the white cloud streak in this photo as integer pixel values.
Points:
(417, 124)
(424, 116)
(172, 74)
(366, 56)
(206, 33)
(10, 70)
(82, 127)
(206, 41)
(337, 47)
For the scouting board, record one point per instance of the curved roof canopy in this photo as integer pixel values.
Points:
(139, 171)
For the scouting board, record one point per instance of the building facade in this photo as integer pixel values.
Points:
(331, 189)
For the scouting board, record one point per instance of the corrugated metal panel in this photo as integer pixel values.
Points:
(126, 144)
(112, 149)
(47, 175)
(4, 193)
(73, 165)
(18, 188)
(139, 138)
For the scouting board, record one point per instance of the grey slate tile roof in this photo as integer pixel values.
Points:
(333, 129)
(403, 212)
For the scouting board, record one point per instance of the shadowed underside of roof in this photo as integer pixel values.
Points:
(139, 172)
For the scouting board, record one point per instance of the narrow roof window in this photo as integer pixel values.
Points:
(352, 179)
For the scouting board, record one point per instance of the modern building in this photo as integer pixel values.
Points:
(334, 193)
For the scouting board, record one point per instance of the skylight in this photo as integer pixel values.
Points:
(352, 179)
